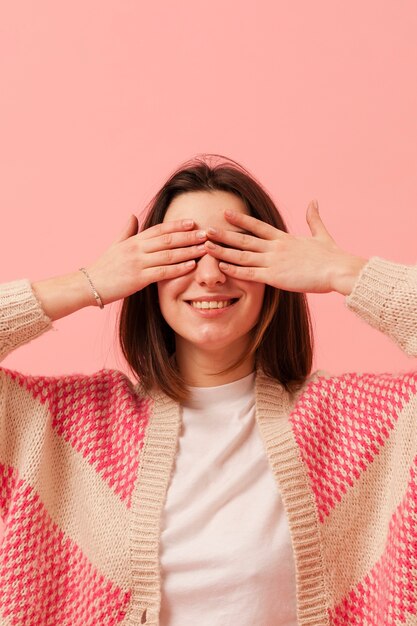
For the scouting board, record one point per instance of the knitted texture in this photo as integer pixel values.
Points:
(86, 460)
(356, 440)
(69, 459)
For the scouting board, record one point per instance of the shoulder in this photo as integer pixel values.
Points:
(104, 387)
(399, 382)
(353, 394)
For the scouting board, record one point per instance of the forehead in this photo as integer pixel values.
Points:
(206, 208)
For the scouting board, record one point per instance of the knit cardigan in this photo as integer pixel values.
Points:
(86, 461)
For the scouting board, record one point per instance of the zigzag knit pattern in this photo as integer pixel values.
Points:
(388, 593)
(45, 576)
(98, 417)
(341, 426)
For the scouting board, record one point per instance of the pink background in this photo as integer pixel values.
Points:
(100, 101)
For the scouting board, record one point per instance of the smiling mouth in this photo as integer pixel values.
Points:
(211, 304)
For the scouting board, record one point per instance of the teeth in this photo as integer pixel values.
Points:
(212, 304)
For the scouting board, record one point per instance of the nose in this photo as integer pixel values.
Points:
(208, 272)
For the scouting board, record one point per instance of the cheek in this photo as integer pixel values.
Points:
(164, 297)
(169, 291)
(256, 292)
(169, 287)
(257, 298)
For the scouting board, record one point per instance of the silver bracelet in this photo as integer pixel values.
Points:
(95, 292)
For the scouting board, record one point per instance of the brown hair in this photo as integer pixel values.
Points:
(282, 340)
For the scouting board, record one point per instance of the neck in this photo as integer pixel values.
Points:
(204, 368)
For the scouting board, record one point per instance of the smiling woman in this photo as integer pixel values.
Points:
(229, 485)
(211, 347)
(211, 314)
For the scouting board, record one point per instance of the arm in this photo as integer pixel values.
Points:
(28, 310)
(383, 293)
(131, 263)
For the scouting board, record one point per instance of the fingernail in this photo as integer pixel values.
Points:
(201, 234)
(210, 245)
(189, 263)
(315, 204)
(212, 231)
(187, 223)
(201, 247)
(223, 265)
(229, 213)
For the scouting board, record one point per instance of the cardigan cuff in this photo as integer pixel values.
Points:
(385, 296)
(21, 315)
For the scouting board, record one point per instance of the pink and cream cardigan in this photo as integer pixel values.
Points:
(86, 460)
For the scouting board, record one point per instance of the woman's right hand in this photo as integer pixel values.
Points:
(133, 261)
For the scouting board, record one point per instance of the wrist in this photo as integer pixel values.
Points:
(345, 273)
(63, 295)
(93, 289)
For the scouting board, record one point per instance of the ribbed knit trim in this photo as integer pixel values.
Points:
(272, 410)
(21, 315)
(373, 288)
(156, 467)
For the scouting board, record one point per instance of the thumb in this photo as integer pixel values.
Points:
(314, 222)
(130, 229)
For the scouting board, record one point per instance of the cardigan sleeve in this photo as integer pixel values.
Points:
(22, 417)
(21, 316)
(385, 296)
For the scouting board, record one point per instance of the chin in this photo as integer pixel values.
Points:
(211, 342)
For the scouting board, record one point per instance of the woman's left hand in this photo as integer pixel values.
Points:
(268, 255)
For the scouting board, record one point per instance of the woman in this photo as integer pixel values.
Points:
(230, 485)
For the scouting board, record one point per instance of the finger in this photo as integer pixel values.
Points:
(130, 229)
(167, 272)
(314, 221)
(237, 257)
(253, 225)
(243, 241)
(254, 274)
(174, 240)
(166, 227)
(176, 255)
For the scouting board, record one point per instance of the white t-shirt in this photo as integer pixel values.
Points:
(226, 554)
